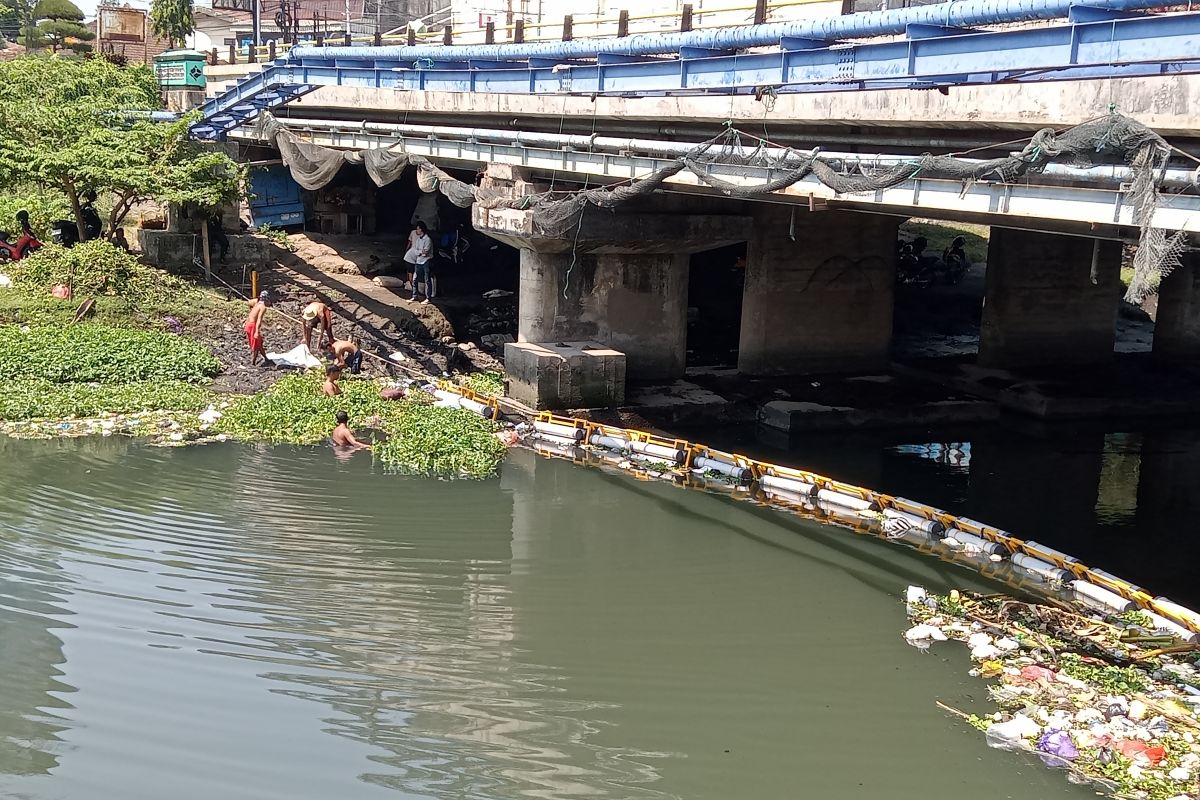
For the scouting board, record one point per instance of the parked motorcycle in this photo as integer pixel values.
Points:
(66, 232)
(24, 245)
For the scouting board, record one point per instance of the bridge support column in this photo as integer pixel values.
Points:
(1177, 325)
(620, 279)
(1050, 299)
(819, 292)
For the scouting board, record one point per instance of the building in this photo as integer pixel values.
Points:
(230, 22)
(124, 32)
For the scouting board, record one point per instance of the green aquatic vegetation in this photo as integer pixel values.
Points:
(489, 383)
(99, 353)
(1136, 617)
(294, 411)
(425, 439)
(1107, 678)
(418, 437)
(37, 398)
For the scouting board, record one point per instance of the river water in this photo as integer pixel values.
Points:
(251, 622)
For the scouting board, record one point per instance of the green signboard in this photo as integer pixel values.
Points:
(180, 69)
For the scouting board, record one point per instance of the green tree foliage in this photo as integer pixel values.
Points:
(172, 20)
(61, 25)
(74, 139)
(20, 12)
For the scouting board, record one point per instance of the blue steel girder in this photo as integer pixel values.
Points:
(1097, 44)
(924, 59)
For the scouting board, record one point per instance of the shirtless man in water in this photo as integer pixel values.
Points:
(253, 328)
(342, 436)
(330, 388)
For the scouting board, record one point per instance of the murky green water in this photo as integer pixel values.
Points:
(230, 622)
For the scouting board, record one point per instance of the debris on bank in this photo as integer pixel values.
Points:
(1110, 700)
(168, 428)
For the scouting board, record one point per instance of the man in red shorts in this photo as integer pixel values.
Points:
(253, 328)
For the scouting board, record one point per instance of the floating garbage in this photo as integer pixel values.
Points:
(1106, 697)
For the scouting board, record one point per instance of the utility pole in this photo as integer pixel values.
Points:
(256, 14)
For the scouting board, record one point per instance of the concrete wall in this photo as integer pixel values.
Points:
(1177, 324)
(169, 250)
(822, 302)
(636, 304)
(1166, 104)
(1041, 306)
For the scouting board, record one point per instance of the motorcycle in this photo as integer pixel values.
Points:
(23, 246)
(66, 232)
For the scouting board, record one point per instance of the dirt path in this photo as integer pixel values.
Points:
(383, 321)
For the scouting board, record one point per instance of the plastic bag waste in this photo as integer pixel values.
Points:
(298, 356)
(924, 633)
(1056, 747)
(5, 282)
(1010, 735)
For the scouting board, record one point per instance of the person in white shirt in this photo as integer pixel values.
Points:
(418, 257)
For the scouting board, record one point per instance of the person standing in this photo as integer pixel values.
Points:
(253, 328)
(418, 258)
(316, 314)
(216, 236)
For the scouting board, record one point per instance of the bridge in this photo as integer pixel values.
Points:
(861, 93)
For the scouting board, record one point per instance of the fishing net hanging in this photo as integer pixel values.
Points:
(1113, 137)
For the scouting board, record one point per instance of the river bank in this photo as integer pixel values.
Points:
(131, 350)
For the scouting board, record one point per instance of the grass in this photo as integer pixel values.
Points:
(939, 234)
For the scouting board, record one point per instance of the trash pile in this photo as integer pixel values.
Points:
(1109, 700)
(167, 428)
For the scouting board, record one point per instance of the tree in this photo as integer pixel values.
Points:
(172, 20)
(76, 138)
(61, 21)
(21, 14)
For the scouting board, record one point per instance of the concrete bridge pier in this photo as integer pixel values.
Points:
(819, 291)
(619, 278)
(1177, 325)
(1050, 299)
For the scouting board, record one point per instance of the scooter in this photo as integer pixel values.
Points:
(23, 246)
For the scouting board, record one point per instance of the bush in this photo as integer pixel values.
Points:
(489, 383)
(89, 352)
(44, 208)
(95, 268)
(37, 398)
(421, 439)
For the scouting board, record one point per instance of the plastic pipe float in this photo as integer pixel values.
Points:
(788, 485)
(930, 526)
(1161, 623)
(786, 488)
(561, 431)
(1162, 604)
(1092, 595)
(976, 542)
(869, 24)
(847, 500)
(727, 468)
(1043, 569)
